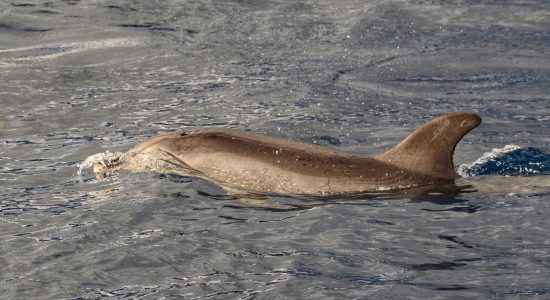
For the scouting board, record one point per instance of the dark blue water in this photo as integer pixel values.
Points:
(511, 160)
(84, 77)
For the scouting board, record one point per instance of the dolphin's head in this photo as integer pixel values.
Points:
(102, 167)
(161, 153)
(103, 163)
(156, 154)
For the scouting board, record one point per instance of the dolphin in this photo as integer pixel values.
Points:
(245, 161)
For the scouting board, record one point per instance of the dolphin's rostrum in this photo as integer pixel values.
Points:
(258, 163)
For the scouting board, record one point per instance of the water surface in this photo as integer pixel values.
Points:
(82, 77)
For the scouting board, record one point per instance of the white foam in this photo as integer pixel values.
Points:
(485, 158)
(105, 159)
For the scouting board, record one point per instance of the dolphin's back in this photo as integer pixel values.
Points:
(269, 164)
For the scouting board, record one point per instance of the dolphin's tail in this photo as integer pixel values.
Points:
(429, 149)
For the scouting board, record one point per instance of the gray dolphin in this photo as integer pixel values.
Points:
(258, 163)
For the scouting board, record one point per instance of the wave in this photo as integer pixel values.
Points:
(511, 160)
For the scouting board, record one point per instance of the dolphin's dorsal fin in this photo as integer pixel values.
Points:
(429, 149)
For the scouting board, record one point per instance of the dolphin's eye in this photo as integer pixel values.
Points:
(182, 133)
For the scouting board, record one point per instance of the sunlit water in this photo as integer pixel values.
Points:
(79, 78)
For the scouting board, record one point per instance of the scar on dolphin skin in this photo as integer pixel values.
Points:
(256, 163)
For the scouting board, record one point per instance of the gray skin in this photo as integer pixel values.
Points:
(257, 163)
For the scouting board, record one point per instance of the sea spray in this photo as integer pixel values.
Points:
(104, 161)
(511, 160)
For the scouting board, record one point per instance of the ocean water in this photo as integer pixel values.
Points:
(84, 77)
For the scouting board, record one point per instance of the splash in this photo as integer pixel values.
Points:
(509, 160)
(156, 161)
(100, 161)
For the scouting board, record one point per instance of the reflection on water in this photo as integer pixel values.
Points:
(82, 77)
